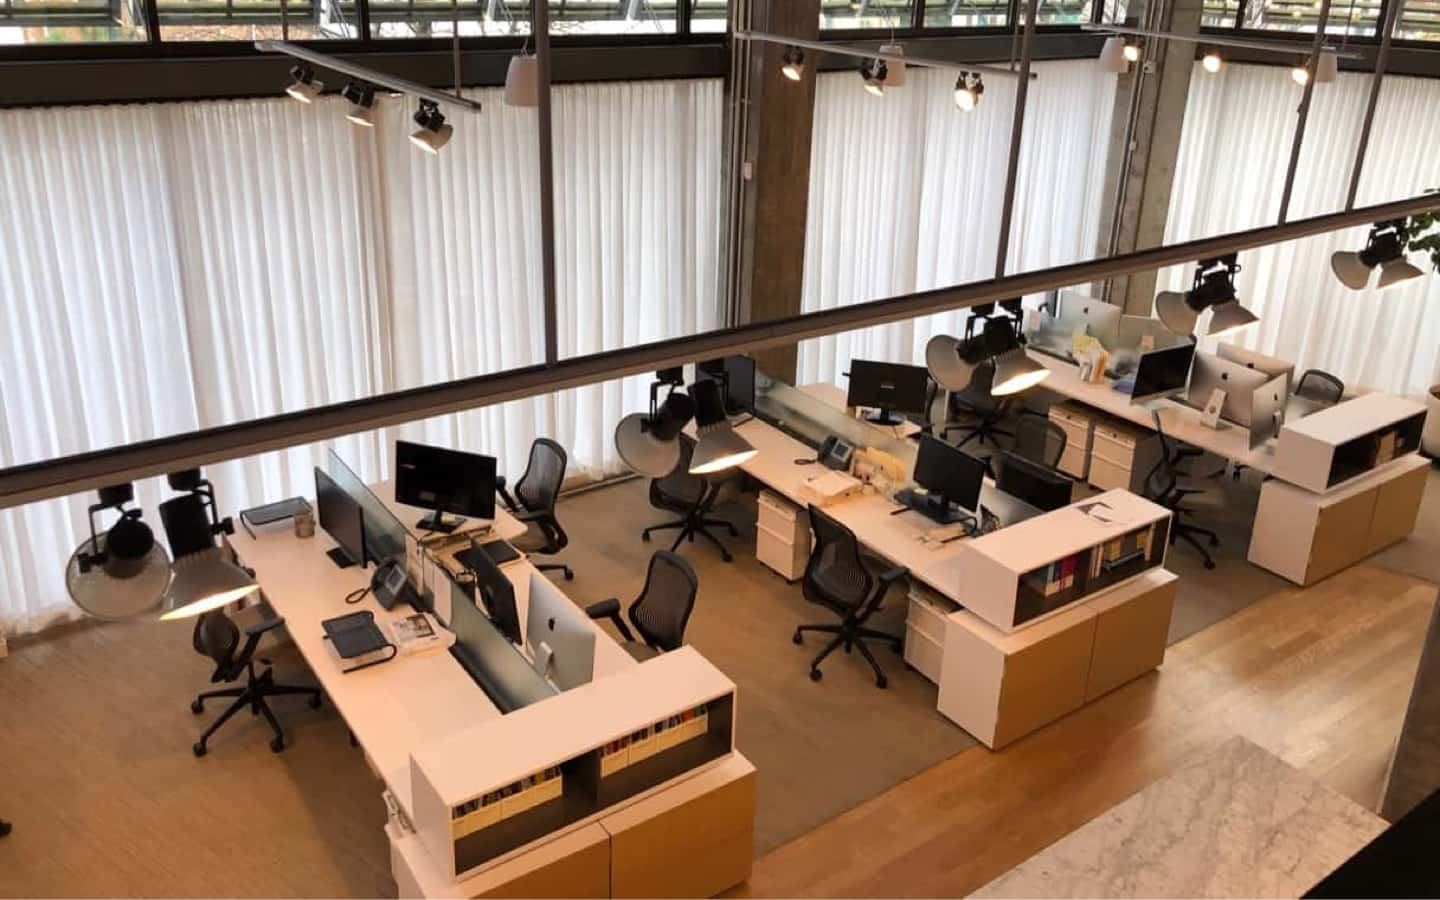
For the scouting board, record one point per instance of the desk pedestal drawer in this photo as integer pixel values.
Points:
(927, 616)
(777, 551)
(923, 652)
(1106, 475)
(781, 516)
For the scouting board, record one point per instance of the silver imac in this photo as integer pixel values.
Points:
(1252, 359)
(559, 636)
(1267, 410)
(1077, 312)
(1237, 381)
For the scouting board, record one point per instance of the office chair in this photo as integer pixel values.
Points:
(1322, 387)
(1162, 486)
(534, 503)
(1039, 440)
(692, 496)
(217, 637)
(838, 577)
(661, 611)
(976, 400)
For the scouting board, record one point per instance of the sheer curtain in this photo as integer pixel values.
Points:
(906, 191)
(1234, 149)
(182, 266)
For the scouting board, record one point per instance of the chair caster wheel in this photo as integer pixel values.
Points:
(197, 707)
(199, 749)
(569, 575)
(796, 638)
(1214, 542)
(645, 536)
(728, 558)
(1209, 563)
(277, 745)
(315, 701)
(898, 648)
(881, 682)
(816, 674)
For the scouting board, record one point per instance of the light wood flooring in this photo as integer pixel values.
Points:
(1320, 677)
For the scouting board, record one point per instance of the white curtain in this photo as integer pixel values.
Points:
(184, 266)
(906, 190)
(1234, 149)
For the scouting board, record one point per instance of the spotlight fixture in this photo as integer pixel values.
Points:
(1300, 73)
(717, 446)
(1212, 61)
(304, 86)
(433, 133)
(1385, 248)
(204, 576)
(874, 73)
(1112, 56)
(1132, 52)
(1213, 289)
(968, 88)
(123, 572)
(522, 81)
(647, 443)
(794, 66)
(952, 362)
(362, 103)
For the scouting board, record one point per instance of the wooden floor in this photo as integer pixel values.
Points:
(1319, 677)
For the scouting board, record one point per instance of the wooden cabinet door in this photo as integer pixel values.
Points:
(1397, 502)
(1341, 534)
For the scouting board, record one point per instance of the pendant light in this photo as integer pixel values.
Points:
(717, 446)
(1212, 62)
(968, 88)
(1112, 56)
(647, 443)
(123, 572)
(203, 576)
(1384, 249)
(873, 73)
(793, 67)
(433, 132)
(1213, 288)
(522, 81)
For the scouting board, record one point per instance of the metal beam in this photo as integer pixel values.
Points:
(865, 53)
(1212, 39)
(1303, 117)
(540, 19)
(1392, 15)
(1017, 135)
(72, 474)
(369, 75)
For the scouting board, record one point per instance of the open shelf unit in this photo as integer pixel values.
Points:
(1334, 446)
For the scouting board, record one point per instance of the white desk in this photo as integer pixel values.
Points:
(1180, 422)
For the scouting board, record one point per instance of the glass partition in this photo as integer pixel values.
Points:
(501, 668)
(384, 533)
(811, 419)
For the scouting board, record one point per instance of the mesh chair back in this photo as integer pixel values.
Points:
(1039, 440)
(1162, 478)
(1322, 387)
(835, 576)
(679, 489)
(976, 396)
(217, 637)
(539, 487)
(663, 608)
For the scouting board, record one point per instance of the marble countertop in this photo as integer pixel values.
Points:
(1238, 822)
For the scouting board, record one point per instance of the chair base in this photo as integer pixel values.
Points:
(691, 526)
(556, 567)
(253, 695)
(985, 429)
(850, 635)
(1188, 533)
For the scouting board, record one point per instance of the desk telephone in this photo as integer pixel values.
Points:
(391, 585)
(834, 453)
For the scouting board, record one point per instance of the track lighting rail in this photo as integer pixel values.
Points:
(367, 74)
(863, 53)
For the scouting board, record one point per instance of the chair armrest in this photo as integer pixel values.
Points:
(610, 609)
(890, 576)
(504, 494)
(532, 515)
(260, 628)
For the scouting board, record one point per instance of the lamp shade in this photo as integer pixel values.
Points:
(1175, 313)
(1112, 56)
(522, 82)
(1015, 371)
(1327, 68)
(118, 576)
(648, 444)
(1350, 269)
(894, 68)
(1228, 316)
(203, 582)
(432, 140)
(1397, 271)
(717, 448)
(949, 369)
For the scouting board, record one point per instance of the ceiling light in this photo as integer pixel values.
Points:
(1212, 61)
(717, 446)
(1385, 248)
(433, 133)
(122, 572)
(647, 443)
(952, 363)
(794, 66)
(362, 103)
(1228, 316)
(522, 81)
(1213, 289)
(1328, 68)
(968, 88)
(1132, 53)
(895, 68)
(304, 86)
(1015, 371)
(1112, 56)
(1300, 74)
(203, 582)
(873, 73)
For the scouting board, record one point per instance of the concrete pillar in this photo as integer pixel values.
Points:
(1143, 182)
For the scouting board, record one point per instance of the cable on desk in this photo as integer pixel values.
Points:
(357, 595)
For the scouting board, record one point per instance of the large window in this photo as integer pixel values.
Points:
(71, 21)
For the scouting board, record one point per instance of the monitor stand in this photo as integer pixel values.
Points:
(436, 521)
(936, 509)
(340, 558)
(884, 416)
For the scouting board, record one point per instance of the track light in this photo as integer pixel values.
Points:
(794, 66)
(717, 446)
(1213, 289)
(874, 73)
(304, 86)
(952, 363)
(1300, 73)
(1132, 52)
(433, 133)
(968, 88)
(362, 103)
(1112, 56)
(648, 443)
(1212, 61)
(1384, 248)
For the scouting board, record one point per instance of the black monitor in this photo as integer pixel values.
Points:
(736, 375)
(447, 481)
(341, 517)
(1162, 372)
(888, 388)
(497, 593)
(1040, 486)
(950, 475)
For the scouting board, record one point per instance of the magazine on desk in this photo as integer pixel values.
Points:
(418, 633)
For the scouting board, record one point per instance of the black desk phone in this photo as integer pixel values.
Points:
(391, 585)
(836, 453)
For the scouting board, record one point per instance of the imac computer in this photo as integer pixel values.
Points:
(1078, 313)
(1239, 382)
(497, 594)
(559, 636)
(1162, 373)
(888, 388)
(1040, 486)
(951, 478)
(736, 375)
(342, 518)
(1267, 410)
(446, 481)
(1251, 359)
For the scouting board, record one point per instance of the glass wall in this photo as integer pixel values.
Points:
(71, 21)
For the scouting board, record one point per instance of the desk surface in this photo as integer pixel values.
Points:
(1179, 421)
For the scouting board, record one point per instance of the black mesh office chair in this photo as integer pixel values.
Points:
(662, 610)
(976, 401)
(1163, 486)
(1039, 440)
(840, 578)
(217, 637)
(534, 503)
(692, 496)
(1321, 387)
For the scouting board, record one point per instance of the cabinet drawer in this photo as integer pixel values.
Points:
(1075, 461)
(1067, 414)
(1107, 475)
(923, 652)
(785, 557)
(1340, 535)
(926, 618)
(780, 516)
(1397, 503)
(1108, 446)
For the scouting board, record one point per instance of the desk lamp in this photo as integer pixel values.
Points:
(1213, 289)
(123, 572)
(204, 578)
(717, 446)
(647, 443)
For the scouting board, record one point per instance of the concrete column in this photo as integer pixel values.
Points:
(1142, 182)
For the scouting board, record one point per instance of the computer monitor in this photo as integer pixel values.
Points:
(497, 593)
(1251, 359)
(736, 375)
(1161, 373)
(1267, 410)
(888, 388)
(950, 475)
(1237, 381)
(1077, 312)
(559, 636)
(1040, 486)
(446, 481)
(343, 519)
